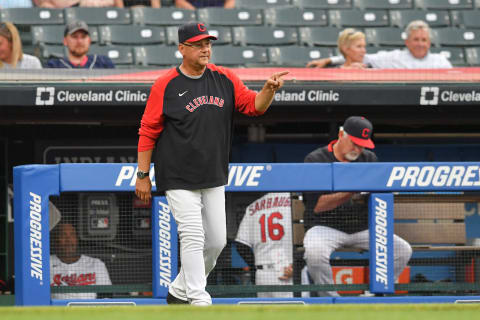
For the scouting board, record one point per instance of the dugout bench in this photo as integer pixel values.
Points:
(432, 223)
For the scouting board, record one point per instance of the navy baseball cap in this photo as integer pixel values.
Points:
(193, 31)
(359, 129)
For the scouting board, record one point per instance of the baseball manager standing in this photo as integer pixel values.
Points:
(187, 129)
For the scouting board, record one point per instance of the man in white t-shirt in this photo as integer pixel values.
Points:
(69, 268)
(266, 228)
(417, 54)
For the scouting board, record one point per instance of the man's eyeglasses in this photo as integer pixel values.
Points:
(198, 45)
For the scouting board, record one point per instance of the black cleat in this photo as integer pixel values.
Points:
(171, 299)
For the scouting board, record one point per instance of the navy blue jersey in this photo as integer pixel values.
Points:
(349, 217)
(94, 61)
(189, 122)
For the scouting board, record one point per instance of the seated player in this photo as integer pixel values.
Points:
(266, 228)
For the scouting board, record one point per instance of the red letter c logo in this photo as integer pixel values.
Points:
(201, 27)
(365, 132)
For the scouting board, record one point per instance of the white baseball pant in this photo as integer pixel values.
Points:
(200, 217)
(270, 276)
(321, 241)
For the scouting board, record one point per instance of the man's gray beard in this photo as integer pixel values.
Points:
(352, 156)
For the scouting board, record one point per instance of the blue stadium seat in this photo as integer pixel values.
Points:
(434, 18)
(261, 4)
(98, 16)
(131, 34)
(230, 17)
(239, 56)
(296, 56)
(120, 55)
(327, 36)
(323, 4)
(32, 16)
(455, 55)
(295, 17)
(444, 4)
(466, 19)
(157, 56)
(162, 16)
(54, 34)
(385, 36)
(456, 37)
(358, 18)
(383, 4)
(264, 36)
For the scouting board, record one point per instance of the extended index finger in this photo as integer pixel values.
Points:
(280, 74)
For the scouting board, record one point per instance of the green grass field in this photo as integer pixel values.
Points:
(233, 312)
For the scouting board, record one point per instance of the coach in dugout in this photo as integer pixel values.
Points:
(77, 40)
(416, 55)
(340, 219)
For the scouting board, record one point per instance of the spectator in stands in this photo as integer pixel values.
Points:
(6, 4)
(70, 268)
(77, 40)
(11, 53)
(138, 3)
(194, 4)
(60, 4)
(417, 54)
(340, 219)
(351, 44)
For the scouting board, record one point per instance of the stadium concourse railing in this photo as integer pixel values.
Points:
(34, 184)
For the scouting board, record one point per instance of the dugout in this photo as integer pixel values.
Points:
(412, 121)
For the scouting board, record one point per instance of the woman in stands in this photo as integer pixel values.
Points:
(351, 44)
(60, 4)
(11, 54)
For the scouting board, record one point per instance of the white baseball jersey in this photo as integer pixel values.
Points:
(266, 227)
(86, 271)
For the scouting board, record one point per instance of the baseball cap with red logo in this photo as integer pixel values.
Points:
(359, 129)
(193, 31)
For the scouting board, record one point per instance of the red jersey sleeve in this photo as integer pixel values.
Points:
(244, 97)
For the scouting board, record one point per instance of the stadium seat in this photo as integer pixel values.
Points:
(264, 36)
(385, 36)
(98, 16)
(383, 4)
(261, 4)
(456, 37)
(434, 18)
(456, 56)
(131, 34)
(32, 16)
(327, 36)
(54, 34)
(162, 16)
(230, 17)
(444, 4)
(120, 55)
(296, 56)
(239, 56)
(358, 18)
(45, 51)
(323, 4)
(466, 19)
(295, 17)
(223, 34)
(472, 56)
(157, 56)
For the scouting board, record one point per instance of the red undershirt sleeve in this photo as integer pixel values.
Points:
(152, 120)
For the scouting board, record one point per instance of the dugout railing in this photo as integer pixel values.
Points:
(34, 184)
